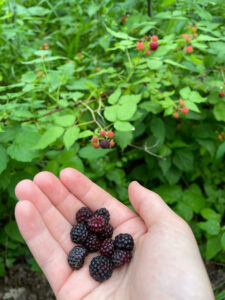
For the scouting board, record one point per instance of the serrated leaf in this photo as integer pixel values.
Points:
(212, 227)
(114, 97)
(3, 159)
(184, 211)
(91, 153)
(65, 121)
(125, 111)
(110, 113)
(213, 247)
(41, 60)
(19, 153)
(123, 126)
(85, 134)
(120, 35)
(219, 111)
(154, 64)
(70, 136)
(184, 160)
(170, 193)
(158, 130)
(210, 214)
(193, 198)
(123, 138)
(49, 137)
(12, 231)
(173, 63)
(220, 151)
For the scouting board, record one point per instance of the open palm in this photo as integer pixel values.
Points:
(166, 262)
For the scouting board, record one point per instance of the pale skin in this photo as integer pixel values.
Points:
(166, 265)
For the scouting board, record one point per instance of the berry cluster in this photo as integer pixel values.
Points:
(94, 233)
(184, 109)
(105, 140)
(189, 36)
(153, 45)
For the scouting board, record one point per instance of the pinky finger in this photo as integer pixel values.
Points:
(47, 252)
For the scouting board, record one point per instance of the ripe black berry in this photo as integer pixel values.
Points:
(92, 243)
(97, 224)
(79, 233)
(120, 257)
(103, 212)
(83, 214)
(101, 268)
(107, 248)
(76, 257)
(104, 144)
(107, 233)
(124, 241)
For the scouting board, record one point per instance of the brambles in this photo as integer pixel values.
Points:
(96, 236)
(148, 52)
(222, 94)
(104, 144)
(155, 38)
(102, 133)
(110, 134)
(182, 102)
(104, 140)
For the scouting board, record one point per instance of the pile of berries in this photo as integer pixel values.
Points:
(105, 140)
(94, 233)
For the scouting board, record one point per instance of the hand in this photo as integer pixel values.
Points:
(166, 262)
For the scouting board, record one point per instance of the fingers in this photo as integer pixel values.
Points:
(58, 226)
(95, 197)
(48, 253)
(58, 194)
(148, 204)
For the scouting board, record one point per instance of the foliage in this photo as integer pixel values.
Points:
(70, 69)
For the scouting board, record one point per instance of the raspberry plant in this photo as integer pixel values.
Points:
(75, 71)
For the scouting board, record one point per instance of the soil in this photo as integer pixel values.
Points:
(20, 283)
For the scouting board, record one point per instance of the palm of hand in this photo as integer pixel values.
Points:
(165, 249)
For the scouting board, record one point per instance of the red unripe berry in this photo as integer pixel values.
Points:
(220, 137)
(95, 139)
(79, 54)
(153, 46)
(195, 34)
(123, 19)
(110, 134)
(188, 39)
(182, 102)
(189, 49)
(111, 144)
(176, 115)
(222, 94)
(147, 52)
(45, 44)
(185, 110)
(140, 46)
(102, 133)
(194, 29)
(155, 38)
(95, 145)
(184, 35)
(189, 26)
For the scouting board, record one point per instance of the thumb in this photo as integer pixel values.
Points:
(148, 204)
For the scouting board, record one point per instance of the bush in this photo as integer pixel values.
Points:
(71, 70)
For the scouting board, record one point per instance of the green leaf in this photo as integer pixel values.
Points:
(123, 138)
(193, 197)
(170, 193)
(158, 130)
(154, 64)
(65, 121)
(49, 137)
(213, 247)
(151, 106)
(184, 160)
(85, 134)
(173, 63)
(130, 99)
(93, 8)
(91, 153)
(12, 231)
(114, 97)
(3, 159)
(126, 110)
(219, 111)
(19, 153)
(210, 214)
(41, 60)
(120, 35)
(223, 241)
(123, 126)
(220, 151)
(70, 136)
(212, 227)
(184, 211)
(110, 113)
(220, 296)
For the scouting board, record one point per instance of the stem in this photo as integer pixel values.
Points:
(93, 115)
(145, 149)
(149, 8)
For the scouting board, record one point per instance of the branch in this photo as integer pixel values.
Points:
(149, 8)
